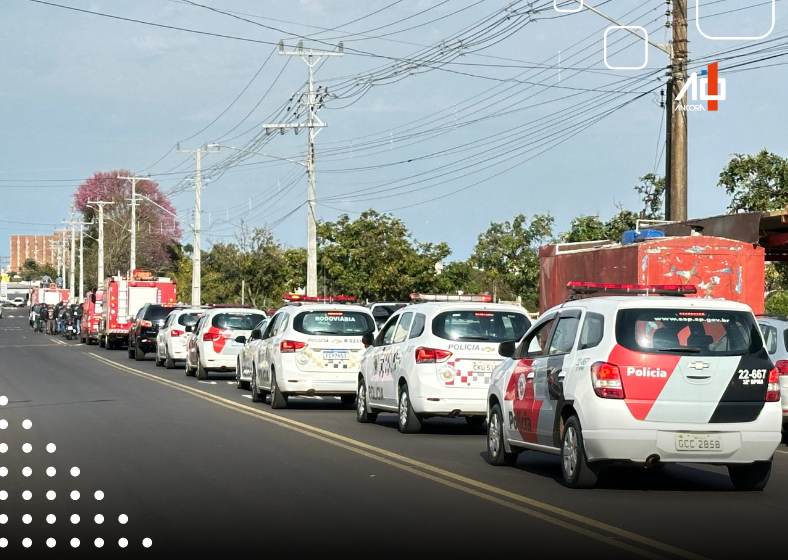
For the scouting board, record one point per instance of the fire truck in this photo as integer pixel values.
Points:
(123, 296)
(50, 295)
(91, 317)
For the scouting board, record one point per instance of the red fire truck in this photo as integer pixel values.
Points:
(50, 295)
(91, 317)
(123, 297)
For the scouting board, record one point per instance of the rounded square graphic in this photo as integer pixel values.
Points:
(645, 46)
(555, 7)
(697, 24)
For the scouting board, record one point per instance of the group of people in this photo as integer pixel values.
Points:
(52, 319)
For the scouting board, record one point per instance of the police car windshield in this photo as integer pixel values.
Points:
(492, 326)
(349, 323)
(189, 319)
(688, 331)
(236, 321)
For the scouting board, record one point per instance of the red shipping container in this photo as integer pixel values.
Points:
(720, 268)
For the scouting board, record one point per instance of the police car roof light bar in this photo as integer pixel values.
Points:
(478, 298)
(297, 298)
(587, 288)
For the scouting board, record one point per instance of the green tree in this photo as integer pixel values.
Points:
(652, 192)
(756, 183)
(615, 227)
(585, 228)
(31, 270)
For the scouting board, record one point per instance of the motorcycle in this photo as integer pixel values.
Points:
(70, 330)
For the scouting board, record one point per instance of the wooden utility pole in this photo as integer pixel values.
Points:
(677, 148)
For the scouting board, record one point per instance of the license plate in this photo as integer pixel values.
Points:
(698, 442)
(335, 354)
(482, 367)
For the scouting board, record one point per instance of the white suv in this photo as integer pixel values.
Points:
(212, 344)
(436, 359)
(644, 380)
(311, 349)
(172, 336)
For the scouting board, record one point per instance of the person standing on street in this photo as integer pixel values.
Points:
(76, 311)
(51, 323)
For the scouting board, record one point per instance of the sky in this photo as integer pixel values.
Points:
(449, 114)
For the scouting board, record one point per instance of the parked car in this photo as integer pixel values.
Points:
(382, 310)
(774, 328)
(647, 381)
(312, 348)
(172, 336)
(212, 344)
(145, 328)
(249, 355)
(18, 302)
(436, 359)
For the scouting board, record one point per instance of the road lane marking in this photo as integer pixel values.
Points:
(778, 451)
(477, 488)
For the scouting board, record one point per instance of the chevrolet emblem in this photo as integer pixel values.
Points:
(488, 349)
(698, 365)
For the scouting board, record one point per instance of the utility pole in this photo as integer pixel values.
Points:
(71, 269)
(678, 120)
(196, 228)
(133, 256)
(100, 204)
(312, 101)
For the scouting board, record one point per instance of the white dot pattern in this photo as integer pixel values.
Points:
(27, 471)
(75, 495)
(51, 471)
(146, 542)
(123, 543)
(27, 424)
(27, 448)
(51, 518)
(99, 519)
(3, 424)
(3, 471)
(27, 518)
(3, 519)
(3, 543)
(51, 542)
(51, 447)
(27, 494)
(27, 543)
(99, 495)
(99, 542)
(74, 543)
(51, 495)
(3, 400)
(123, 519)
(3, 495)
(74, 471)
(3, 447)
(75, 519)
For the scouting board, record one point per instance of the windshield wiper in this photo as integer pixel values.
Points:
(473, 337)
(686, 349)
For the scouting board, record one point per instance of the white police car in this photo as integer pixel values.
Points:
(311, 347)
(645, 380)
(172, 336)
(248, 355)
(436, 359)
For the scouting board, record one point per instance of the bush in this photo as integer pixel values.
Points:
(778, 303)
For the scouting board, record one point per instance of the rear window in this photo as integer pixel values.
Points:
(334, 322)
(688, 331)
(189, 319)
(156, 312)
(236, 321)
(495, 326)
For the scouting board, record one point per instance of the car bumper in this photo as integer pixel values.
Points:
(450, 406)
(301, 386)
(219, 362)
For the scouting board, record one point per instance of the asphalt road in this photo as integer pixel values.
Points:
(201, 471)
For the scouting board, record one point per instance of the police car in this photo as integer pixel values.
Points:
(644, 380)
(248, 355)
(436, 358)
(213, 345)
(172, 336)
(312, 347)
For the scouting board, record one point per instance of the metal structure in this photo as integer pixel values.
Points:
(133, 255)
(100, 204)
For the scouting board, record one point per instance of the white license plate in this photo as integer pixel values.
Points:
(335, 354)
(482, 367)
(698, 442)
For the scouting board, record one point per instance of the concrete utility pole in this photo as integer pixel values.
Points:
(133, 256)
(73, 255)
(196, 228)
(100, 204)
(310, 101)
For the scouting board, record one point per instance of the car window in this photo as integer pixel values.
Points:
(156, 312)
(386, 334)
(199, 325)
(770, 337)
(418, 325)
(471, 324)
(260, 326)
(534, 344)
(282, 326)
(269, 330)
(187, 319)
(592, 332)
(401, 332)
(236, 320)
(334, 322)
(693, 332)
(564, 336)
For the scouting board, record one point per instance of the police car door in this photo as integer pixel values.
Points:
(381, 374)
(549, 377)
(394, 356)
(520, 410)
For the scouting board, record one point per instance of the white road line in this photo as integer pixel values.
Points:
(247, 396)
(231, 382)
(208, 382)
(778, 451)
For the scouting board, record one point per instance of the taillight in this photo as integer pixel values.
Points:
(606, 379)
(782, 367)
(144, 323)
(431, 355)
(211, 336)
(773, 390)
(175, 332)
(289, 346)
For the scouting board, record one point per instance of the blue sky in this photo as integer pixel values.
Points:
(448, 150)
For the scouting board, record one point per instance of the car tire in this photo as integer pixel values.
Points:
(102, 342)
(752, 477)
(239, 383)
(408, 422)
(202, 374)
(139, 355)
(278, 400)
(159, 361)
(496, 451)
(130, 351)
(189, 371)
(257, 395)
(169, 363)
(475, 420)
(575, 468)
(363, 415)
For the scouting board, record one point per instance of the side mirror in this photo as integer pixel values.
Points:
(367, 340)
(506, 349)
(189, 328)
(256, 335)
(240, 339)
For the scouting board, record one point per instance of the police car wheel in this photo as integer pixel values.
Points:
(102, 342)
(169, 363)
(131, 351)
(239, 383)
(278, 400)
(159, 360)
(362, 410)
(475, 420)
(496, 452)
(189, 371)
(201, 373)
(408, 422)
(139, 355)
(576, 470)
(752, 477)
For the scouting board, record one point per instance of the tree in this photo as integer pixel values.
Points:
(756, 183)
(157, 228)
(585, 228)
(508, 254)
(615, 227)
(652, 192)
(31, 270)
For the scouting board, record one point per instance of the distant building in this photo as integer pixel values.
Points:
(36, 247)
